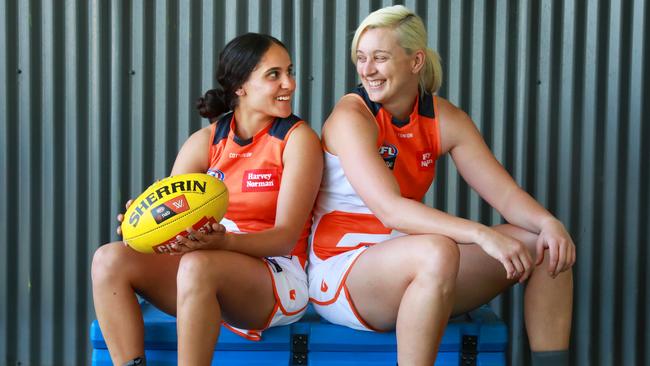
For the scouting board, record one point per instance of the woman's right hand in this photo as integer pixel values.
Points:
(512, 253)
(120, 218)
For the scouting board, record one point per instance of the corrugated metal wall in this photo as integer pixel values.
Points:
(97, 96)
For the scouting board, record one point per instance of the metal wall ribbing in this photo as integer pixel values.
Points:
(97, 96)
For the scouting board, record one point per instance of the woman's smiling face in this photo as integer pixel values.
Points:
(383, 65)
(269, 88)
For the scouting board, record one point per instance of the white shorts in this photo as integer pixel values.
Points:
(329, 294)
(291, 295)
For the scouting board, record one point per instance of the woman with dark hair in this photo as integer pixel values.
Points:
(249, 270)
(374, 238)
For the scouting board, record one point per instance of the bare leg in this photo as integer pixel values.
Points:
(213, 285)
(117, 273)
(548, 302)
(414, 277)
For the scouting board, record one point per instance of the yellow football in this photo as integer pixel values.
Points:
(170, 206)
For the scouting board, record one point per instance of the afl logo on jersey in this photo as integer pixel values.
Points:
(216, 173)
(388, 152)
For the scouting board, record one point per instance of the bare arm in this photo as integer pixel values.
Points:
(301, 177)
(481, 170)
(193, 155)
(351, 133)
(192, 158)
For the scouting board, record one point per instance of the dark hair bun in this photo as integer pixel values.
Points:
(212, 104)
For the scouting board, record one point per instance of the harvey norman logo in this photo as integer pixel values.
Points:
(260, 180)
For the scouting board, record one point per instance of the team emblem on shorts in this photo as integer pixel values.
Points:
(388, 152)
(292, 294)
(323, 286)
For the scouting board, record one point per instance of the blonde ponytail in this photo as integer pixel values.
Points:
(431, 75)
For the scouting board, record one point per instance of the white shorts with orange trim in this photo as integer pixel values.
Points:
(328, 293)
(291, 295)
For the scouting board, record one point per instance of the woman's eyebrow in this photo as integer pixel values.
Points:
(376, 51)
(277, 68)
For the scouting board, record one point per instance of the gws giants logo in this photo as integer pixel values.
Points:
(388, 152)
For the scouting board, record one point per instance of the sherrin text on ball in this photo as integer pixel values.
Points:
(170, 206)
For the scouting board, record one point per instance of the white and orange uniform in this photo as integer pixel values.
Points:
(252, 171)
(344, 226)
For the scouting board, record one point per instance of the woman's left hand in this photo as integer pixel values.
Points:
(561, 249)
(196, 240)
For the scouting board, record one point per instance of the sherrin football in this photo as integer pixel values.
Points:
(170, 206)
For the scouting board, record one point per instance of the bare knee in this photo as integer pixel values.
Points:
(197, 270)
(530, 242)
(524, 236)
(436, 260)
(108, 262)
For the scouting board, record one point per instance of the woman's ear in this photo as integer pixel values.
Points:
(418, 61)
(240, 92)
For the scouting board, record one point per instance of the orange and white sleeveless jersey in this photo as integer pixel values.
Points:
(252, 171)
(342, 221)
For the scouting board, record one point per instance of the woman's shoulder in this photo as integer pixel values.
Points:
(355, 100)
(303, 132)
(303, 144)
(282, 127)
(450, 116)
(447, 110)
(201, 137)
(455, 124)
(204, 132)
(351, 108)
(350, 122)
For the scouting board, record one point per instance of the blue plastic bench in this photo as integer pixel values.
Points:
(477, 338)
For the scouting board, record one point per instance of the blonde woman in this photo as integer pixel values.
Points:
(381, 259)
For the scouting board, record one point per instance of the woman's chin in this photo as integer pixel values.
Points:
(377, 97)
(283, 112)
